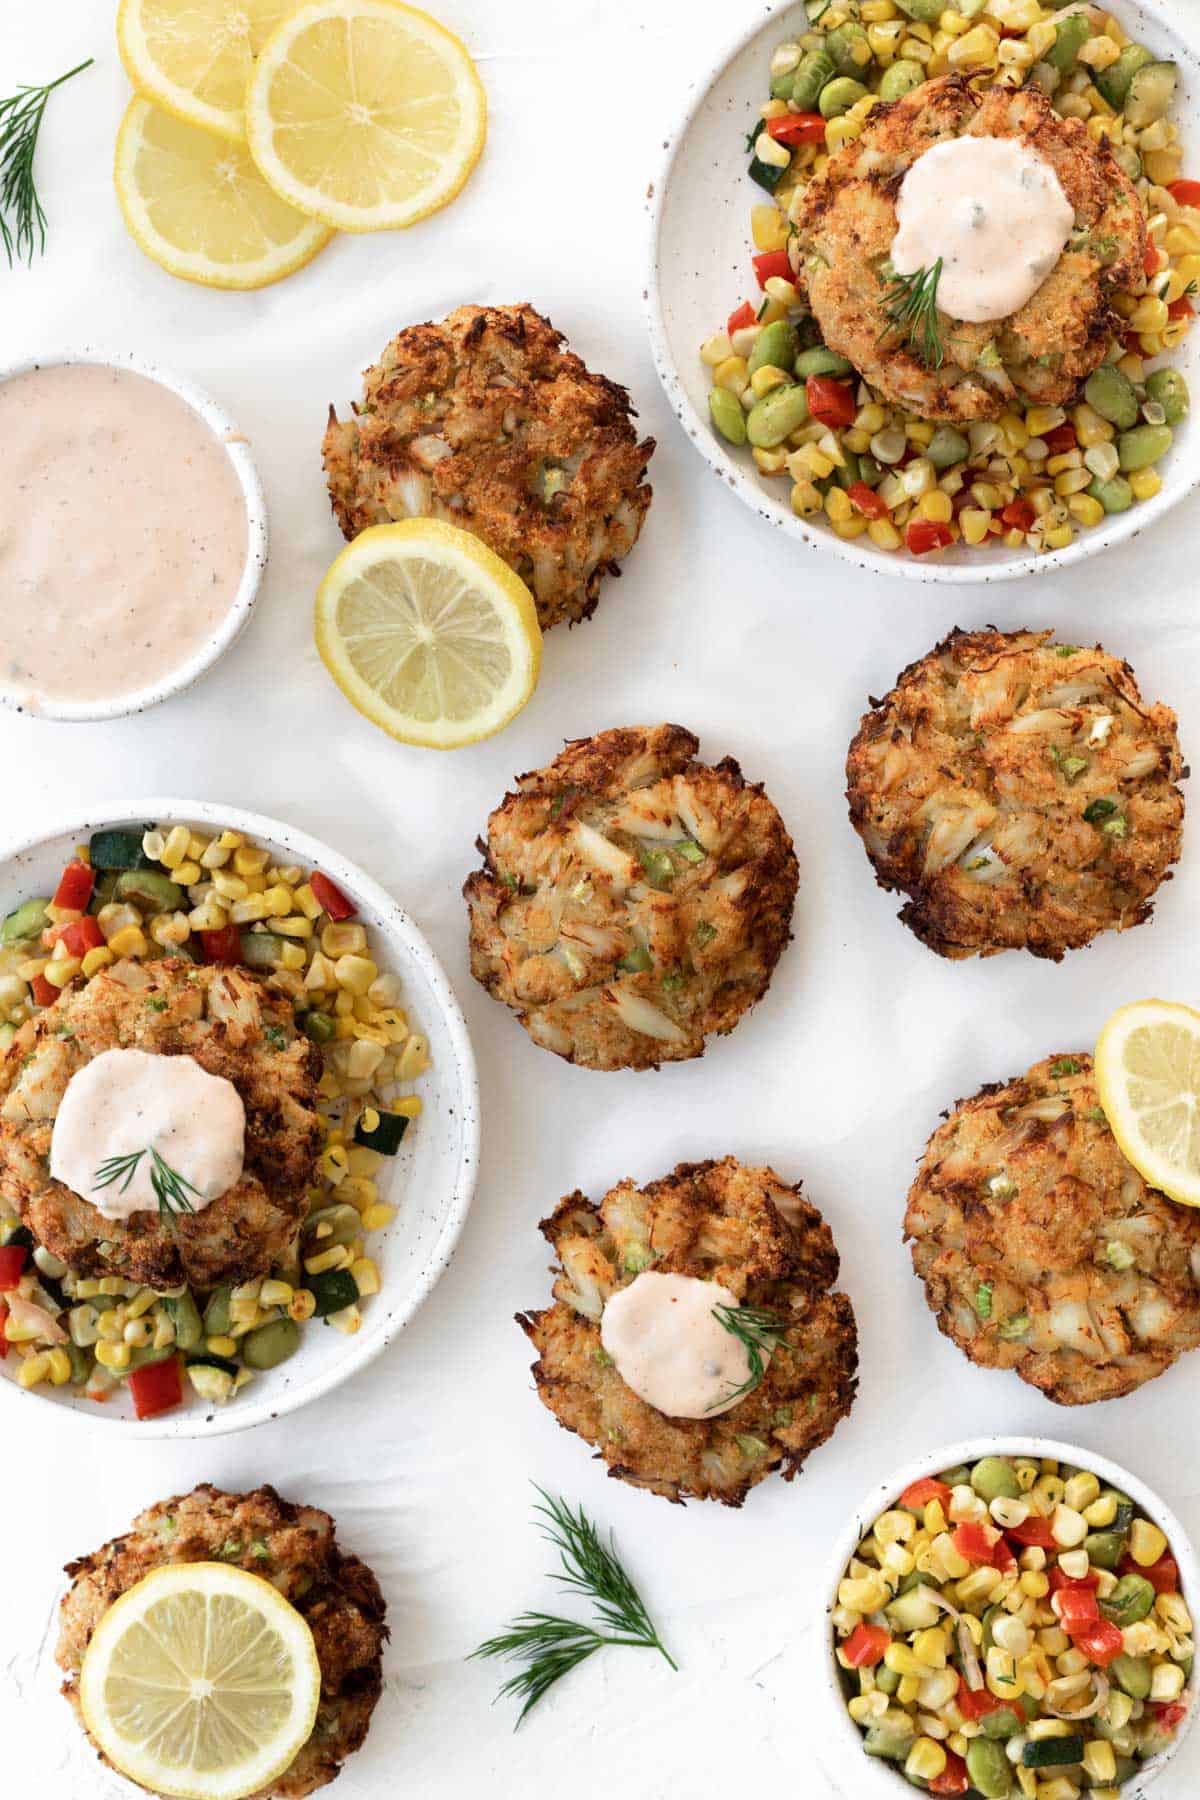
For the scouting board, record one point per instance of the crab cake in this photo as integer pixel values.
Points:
(295, 1548)
(632, 899)
(489, 422)
(1020, 792)
(1043, 1250)
(710, 1234)
(846, 224)
(234, 1024)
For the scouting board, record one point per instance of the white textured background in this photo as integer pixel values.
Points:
(838, 1077)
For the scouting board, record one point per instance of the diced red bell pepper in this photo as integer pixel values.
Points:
(770, 263)
(976, 1542)
(75, 886)
(3, 1335)
(44, 992)
(865, 1646)
(1133, 342)
(224, 946)
(741, 317)
(924, 535)
(866, 500)
(831, 402)
(1172, 1715)
(156, 1388)
(1101, 1642)
(797, 128)
(920, 1493)
(1033, 1534)
(1150, 259)
(332, 899)
(1181, 308)
(1184, 193)
(1003, 1558)
(953, 1778)
(1058, 1581)
(1077, 1607)
(82, 935)
(1163, 1575)
(1060, 440)
(1019, 515)
(979, 1704)
(12, 1263)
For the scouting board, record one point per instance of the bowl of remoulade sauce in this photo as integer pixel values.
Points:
(133, 536)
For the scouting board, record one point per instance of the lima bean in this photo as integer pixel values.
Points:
(900, 79)
(992, 1477)
(1140, 448)
(839, 96)
(271, 1344)
(776, 416)
(816, 68)
(820, 361)
(1169, 389)
(1110, 393)
(1115, 496)
(947, 447)
(774, 348)
(848, 46)
(989, 1769)
(727, 415)
(926, 12)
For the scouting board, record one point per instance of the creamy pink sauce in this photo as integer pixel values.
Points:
(126, 1101)
(123, 533)
(671, 1349)
(995, 213)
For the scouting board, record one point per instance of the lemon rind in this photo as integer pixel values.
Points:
(153, 85)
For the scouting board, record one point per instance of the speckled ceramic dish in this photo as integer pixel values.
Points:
(700, 270)
(257, 544)
(874, 1779)
(430, 1182)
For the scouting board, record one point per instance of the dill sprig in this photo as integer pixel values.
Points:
(910, 302)
(22, 221)
(761, 1331)
(171, 1189)
(549, 1647)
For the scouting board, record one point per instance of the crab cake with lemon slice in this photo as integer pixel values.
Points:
(633, 900)
(1020, 792)
(295, 1549)
(696, 1339)
(489, 422)
(1042, 1249)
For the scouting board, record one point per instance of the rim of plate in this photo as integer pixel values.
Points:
(236, 446)
(883, 1780)
(745, 481)
(383, 1321)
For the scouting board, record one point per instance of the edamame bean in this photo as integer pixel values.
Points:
(775, 348)
(900, 79)
(1115, 496)
(1169, 389)
(1110, 393)
(816, 68)
(839, 96)
(776, 416)
(848, 46)
(1132, 1675)
(271, 1344)
(989, 1769)
(820, 361)
(1132, 1599)
(727, 415)
(1105, 1548)
(1073, 33)
(945, 448)
(993, 1478)
(1146, 445)
(217, 1317)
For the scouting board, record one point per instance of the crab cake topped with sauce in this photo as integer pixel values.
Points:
(234, 1033)
(633, 900)
(489, 422)
(694, 1339)
(295, 1548)
(1043, 1250)
(1020, 792)
(1023, 224)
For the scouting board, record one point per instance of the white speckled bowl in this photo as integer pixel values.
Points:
(700, 270)
(880, 1780)
(257, 546)
(430, 1182)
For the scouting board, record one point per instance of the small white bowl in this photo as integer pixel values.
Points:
(700, 270)
(879, 1779)
(430, 1182)
(227, 434)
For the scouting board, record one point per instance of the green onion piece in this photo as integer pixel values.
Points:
(689, 850)
(1098, 810)
(1067, 1065)
(1015, 1327)
(1119, 1256)
(983, 1299)
(636, 961)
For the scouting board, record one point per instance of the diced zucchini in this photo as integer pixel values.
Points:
(149, 890)
(25, 922)
(1073, 33)
(1114, 82)
(217, 1316)
(1150, 93)
(1128, 159)
(204, 1359)
(386, 1136)
(184, 1314)
(261, 949)
(332, 1291)
(118, 850)
(344, 1222)
(1052, 1753)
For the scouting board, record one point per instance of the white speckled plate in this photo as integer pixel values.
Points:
(700, 271)
(430, 1181)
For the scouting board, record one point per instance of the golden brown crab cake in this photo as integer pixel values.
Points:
(633, 900)
(1020, 792)
(235, 1024)
(748, 1231)
(846, 223)
(489, 422)
(1043, 1250)
(295, 1548)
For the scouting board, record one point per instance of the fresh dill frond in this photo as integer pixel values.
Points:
(171, 1189)
(910, 302)
(22, 220)
(114, 1168)
(761, 1331)
(549, 1647)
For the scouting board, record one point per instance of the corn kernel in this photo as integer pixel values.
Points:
(1146, 483)
(112, 1356)
(302, 1305)
(376, 1217)
(768, 227)
(1146, 1543)
(175, 847)
(926, 1760)
(33, 1371)
(1060, 537)
(366, 1275)
(936, 506)
(58, 1366)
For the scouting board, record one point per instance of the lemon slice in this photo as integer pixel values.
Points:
(365, 113)
(194, 56)
(198, 206)
(201, 1681)
(428, 633)
(1148, 1074)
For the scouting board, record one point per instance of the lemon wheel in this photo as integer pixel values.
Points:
(1148, 1073)
(194, 57)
